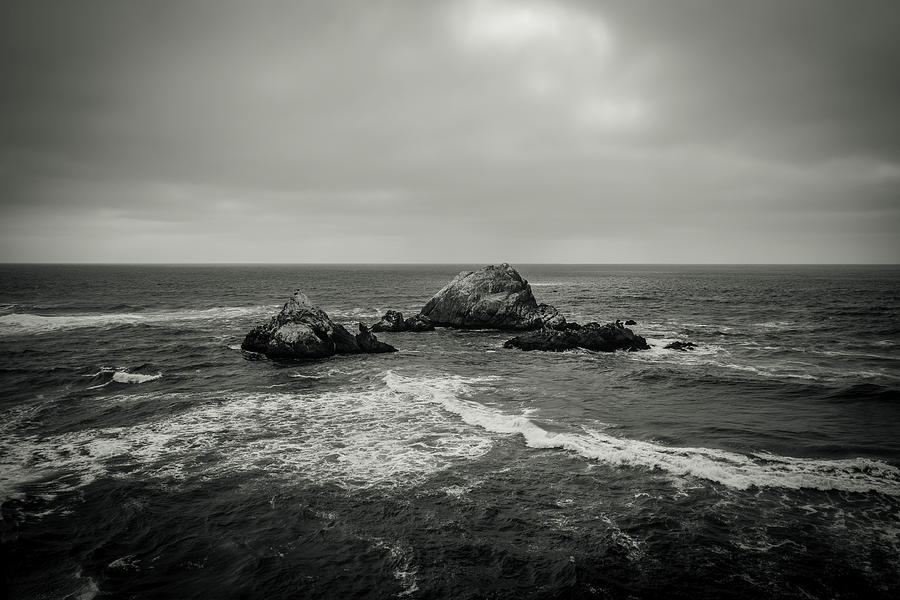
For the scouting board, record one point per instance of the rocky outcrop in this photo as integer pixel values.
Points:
(592, 336)
(393, 320)
(418, 323)
(681, 346)
(495, 297)
(302, 330)
(630, 322)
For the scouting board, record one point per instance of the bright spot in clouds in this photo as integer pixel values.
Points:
(530, 26)
(553, 53)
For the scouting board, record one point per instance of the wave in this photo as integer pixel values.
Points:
(769, 362)
(356, 313)
(126, 377)
(108, 375)
(865, 392)
(29, 323)
(727, 468)
(353, 439)
(396, 432)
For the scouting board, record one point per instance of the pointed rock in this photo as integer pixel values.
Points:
(303, 330)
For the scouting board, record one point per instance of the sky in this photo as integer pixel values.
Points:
(463, 131)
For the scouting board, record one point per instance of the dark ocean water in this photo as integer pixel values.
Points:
(143, 455)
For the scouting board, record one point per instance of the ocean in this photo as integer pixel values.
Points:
(144, 455)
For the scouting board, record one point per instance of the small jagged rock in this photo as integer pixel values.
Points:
(368, 343)
(494, 297)
(303, 330)
(591, 336)
(630, 322)
(393, 321)
(680, 346)
(418, 323)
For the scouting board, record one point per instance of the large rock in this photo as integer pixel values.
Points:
(393, 320)
(495, 297)
(592, 336)
(302, 330)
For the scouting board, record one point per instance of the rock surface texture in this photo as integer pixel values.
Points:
(302, 330)
(592, 336)
(494, 297)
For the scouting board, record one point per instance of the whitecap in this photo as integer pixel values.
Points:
(126, 377)
(29, 323)
(376, 437)
(721, 466)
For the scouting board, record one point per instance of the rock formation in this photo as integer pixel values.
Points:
(679, 345)
(418, 323)
(302, 330)
(393, 320)
(494, 297)
(592, 336)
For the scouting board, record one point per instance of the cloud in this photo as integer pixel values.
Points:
(470, 130)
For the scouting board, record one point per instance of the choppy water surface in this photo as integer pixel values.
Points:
(143, 455)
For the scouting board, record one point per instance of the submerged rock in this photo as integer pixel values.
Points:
(591, 336)
(302, 330)
(393, 320)
(494, 297)
(679, 345)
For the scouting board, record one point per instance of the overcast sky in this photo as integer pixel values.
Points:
(450, 131)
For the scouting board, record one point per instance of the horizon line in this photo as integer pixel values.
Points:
(438, 263)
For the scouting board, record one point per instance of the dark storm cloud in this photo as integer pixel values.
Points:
(473, 130)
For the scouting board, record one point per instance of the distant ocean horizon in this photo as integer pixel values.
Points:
(143, 454)
(441, 263)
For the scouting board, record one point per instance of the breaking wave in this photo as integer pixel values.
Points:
(353, 439)
(395, 434)
(29, 323)
(727, 468)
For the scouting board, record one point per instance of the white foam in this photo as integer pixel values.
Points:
(391, 435)
(126, 377)
(28, 323)
(355, 313)
(719, 356)
(405, 571)
(728, 468)
(361, 439)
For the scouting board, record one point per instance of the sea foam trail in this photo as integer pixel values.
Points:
(126, 377)
(354, 439)
(728, 468)
(120, 376)
(28, 323)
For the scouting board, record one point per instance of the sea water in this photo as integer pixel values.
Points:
(144, 455)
